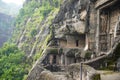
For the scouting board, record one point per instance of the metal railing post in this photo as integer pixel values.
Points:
(80, 71)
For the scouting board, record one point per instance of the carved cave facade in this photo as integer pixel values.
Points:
(87, 33)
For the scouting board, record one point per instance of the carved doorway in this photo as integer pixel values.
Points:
(109, 17)
(104, 29)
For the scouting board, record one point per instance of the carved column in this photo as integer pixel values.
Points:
(97, 31)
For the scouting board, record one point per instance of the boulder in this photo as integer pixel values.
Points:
(88, 73)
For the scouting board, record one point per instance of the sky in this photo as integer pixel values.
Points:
(17, 2)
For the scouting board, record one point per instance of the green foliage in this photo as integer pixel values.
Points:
(96, 77)
(116, 53)
(112, 59)
(53, 51)
(88, 54)
(7, 49)
(35, 17)
(36, 11)
(33, 32)
(13, 65)
(44, 47)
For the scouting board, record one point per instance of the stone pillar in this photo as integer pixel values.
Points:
(86, 42)
(61, 59)
(50, 59)
(58, 59)
(66, 60)
(97, 31)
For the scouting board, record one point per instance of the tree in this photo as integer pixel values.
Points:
(12, 63)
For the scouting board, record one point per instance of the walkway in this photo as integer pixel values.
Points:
(109, 75)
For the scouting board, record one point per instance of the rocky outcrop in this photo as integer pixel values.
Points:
(37, 68)
(46, 75)
(71, 18)
(72, 73)
(35, 73)
(71, 9)
(88, 73)
(74, 32)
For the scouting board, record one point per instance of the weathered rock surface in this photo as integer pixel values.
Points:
(46, 75)
(60, 76)
(35, 73)
(71, 73)
(88, 73)
(71, 18)
(37, 68)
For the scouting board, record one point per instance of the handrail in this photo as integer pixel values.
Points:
(103, 56)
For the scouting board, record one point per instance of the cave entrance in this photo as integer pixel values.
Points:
(104, 30)
(54, 59)
(77, 43)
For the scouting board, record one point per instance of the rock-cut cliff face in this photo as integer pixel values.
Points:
(57, 37)
(71, 20)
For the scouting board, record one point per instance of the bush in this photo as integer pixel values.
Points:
(12, 63)
(96, 77)
(33, 32)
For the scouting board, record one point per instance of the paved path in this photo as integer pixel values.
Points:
(109, 75)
